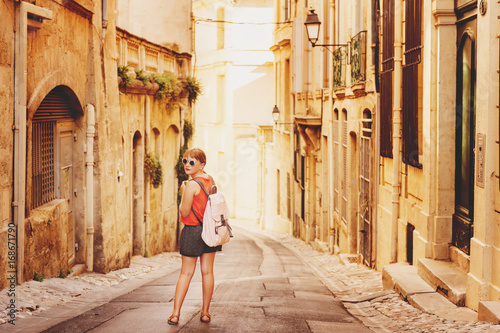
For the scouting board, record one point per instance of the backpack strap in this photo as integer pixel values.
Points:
(204, 190)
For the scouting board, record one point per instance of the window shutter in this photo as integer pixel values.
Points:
(54, 106)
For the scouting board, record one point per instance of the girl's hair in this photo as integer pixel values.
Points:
(196, 153)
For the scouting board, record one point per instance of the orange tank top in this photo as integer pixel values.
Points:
(199, 203)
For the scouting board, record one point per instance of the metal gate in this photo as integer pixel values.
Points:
(364, 197)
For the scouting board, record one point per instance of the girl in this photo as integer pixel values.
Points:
(192, 207)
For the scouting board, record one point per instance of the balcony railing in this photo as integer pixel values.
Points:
(139, 53)
(358, 58)
(339, 65)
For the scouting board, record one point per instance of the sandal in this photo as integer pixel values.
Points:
(171, 322)
(206, 320)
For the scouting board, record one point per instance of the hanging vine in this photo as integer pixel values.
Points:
(153, 168)
(194, 88)
(187, 132)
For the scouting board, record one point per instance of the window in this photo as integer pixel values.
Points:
(221, 105)
(386, 78)
(288, 197)
(278, 191)
(412, 92)
(286, 10)
(336, 160)
(220, 28)
(42, 178)
(344, 166)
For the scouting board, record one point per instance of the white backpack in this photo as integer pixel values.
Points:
(216, 229)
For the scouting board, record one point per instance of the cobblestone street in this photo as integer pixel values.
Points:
(359, 287)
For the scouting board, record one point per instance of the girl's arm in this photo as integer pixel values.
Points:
(188, 190)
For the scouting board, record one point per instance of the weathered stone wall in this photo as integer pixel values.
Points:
(111, 209)
(76, 51)
(46, 240)
(163, 142)
(58, 55)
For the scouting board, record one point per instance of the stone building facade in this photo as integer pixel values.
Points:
(395, 134)
(235, 66)
(74, 143)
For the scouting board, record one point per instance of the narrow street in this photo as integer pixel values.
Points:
(261, 286)
(265, 282)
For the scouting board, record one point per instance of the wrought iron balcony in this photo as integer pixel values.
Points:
(339, 65)
(358, 57)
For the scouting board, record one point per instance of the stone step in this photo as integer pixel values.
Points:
(489, 311)
(77, 269)
(444, 277)
(405, 280)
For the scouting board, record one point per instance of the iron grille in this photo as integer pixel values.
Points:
(358, 58)
(339, 65)
(43, 189)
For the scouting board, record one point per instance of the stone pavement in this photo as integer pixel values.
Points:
(359, 287)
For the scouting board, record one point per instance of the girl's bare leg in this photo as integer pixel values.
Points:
(187, 272)
(207, 276)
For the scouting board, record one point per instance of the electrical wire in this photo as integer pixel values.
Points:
(199, 19)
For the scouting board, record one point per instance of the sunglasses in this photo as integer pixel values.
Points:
(191, 162)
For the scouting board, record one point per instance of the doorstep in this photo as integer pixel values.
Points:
(444, 277)
(405, 280)
(77, 269)
(489, 311)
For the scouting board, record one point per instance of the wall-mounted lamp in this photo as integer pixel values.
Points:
(313, 24)
(276, 114)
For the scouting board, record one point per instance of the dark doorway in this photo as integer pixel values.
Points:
(463, 223)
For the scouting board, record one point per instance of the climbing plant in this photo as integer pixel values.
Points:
(187, 132)
(167, 83)
(194, 88)
(123, 74)
(152, 167)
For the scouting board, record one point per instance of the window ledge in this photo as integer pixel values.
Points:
(339, 93)
(43, 212)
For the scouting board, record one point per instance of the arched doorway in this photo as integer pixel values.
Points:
(53, 149)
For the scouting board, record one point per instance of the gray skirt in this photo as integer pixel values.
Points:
(191, 243)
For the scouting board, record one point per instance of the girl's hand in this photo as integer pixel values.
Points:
(183, 186)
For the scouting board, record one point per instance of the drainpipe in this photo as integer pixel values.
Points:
(331, 185)
(147, 186)
(89, 165)
(376, 117)
(104, 19)
(396, 184)
(20, 94)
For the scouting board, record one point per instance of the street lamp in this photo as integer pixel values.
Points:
(313, 24)
(276, 114)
